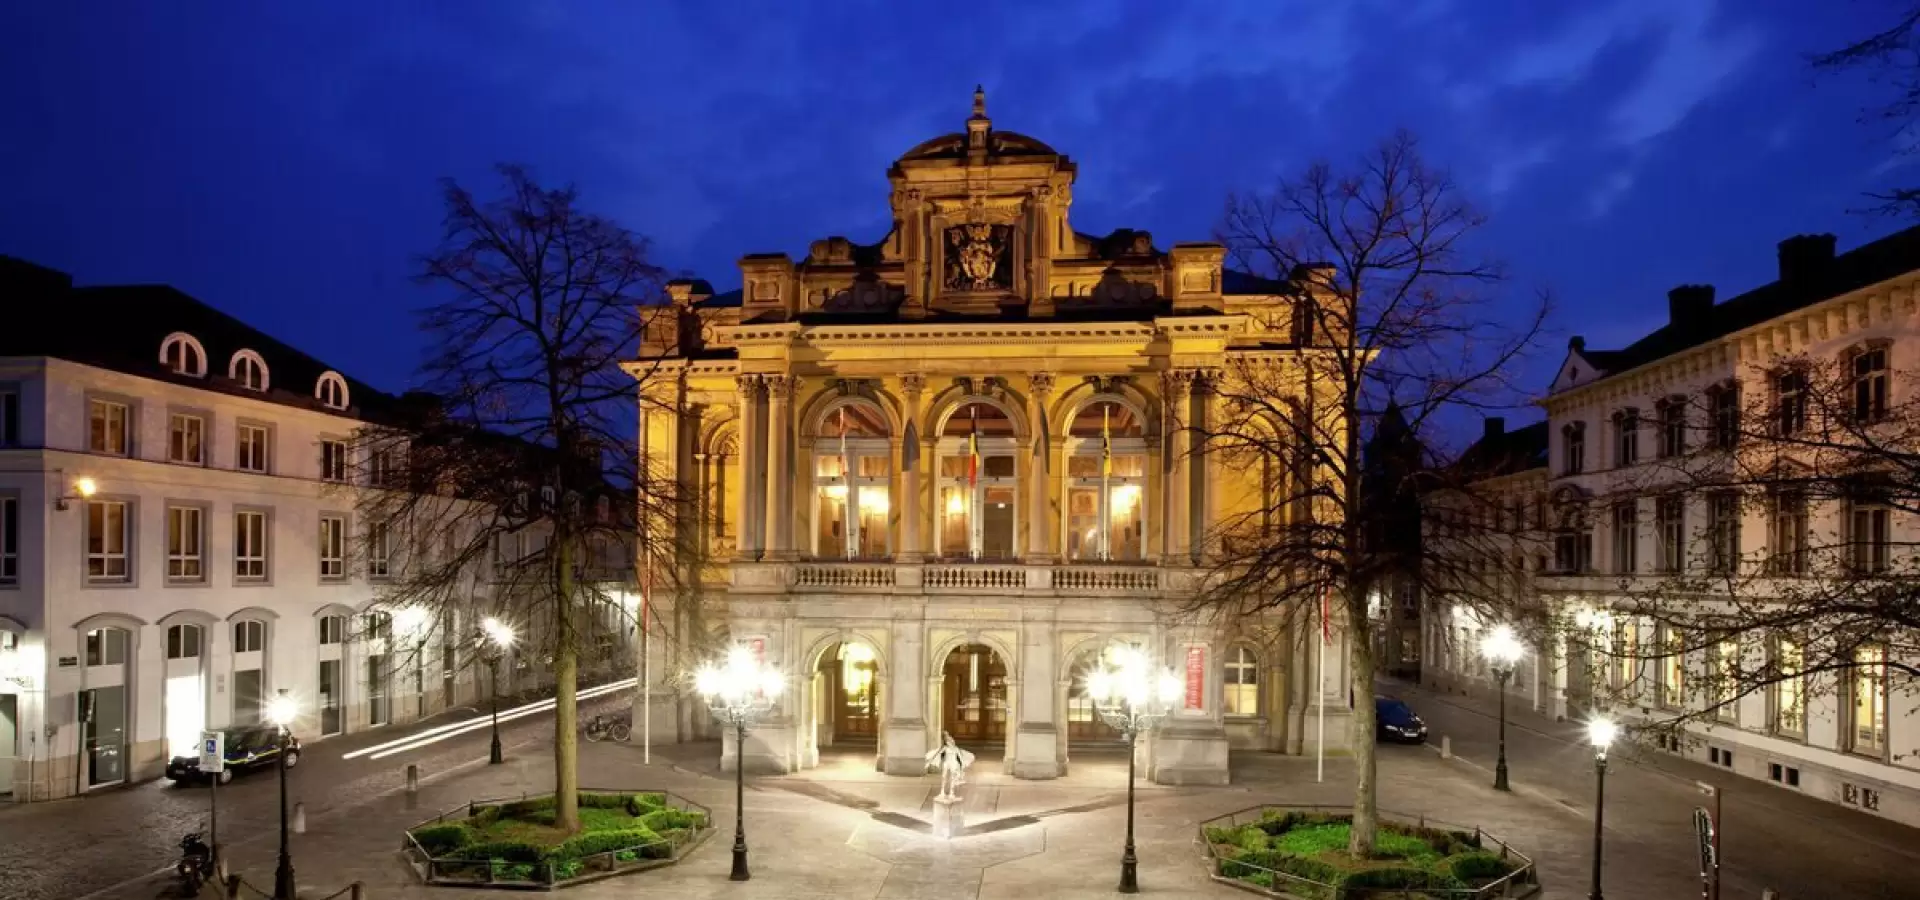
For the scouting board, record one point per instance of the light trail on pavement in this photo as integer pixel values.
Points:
(442, 732)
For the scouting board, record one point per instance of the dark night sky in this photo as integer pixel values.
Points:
(279, 159)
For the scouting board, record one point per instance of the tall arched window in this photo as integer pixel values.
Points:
(979, 495)
(183, 355)
(1106, 483)
(331, 391)
(248, 370)
(853, 466)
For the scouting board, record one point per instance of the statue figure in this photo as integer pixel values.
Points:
(952, 763)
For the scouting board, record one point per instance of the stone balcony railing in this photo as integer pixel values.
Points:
(960, 578)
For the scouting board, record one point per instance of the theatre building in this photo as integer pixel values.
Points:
(933, 478)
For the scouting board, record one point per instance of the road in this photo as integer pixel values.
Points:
(71, 848)
(1771, 837)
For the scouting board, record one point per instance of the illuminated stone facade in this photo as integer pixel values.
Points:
(933, 477)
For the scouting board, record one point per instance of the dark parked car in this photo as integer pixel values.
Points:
(1396, 721)
(247, 748)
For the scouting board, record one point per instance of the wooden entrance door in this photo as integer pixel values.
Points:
(853, 691)
(974, 694)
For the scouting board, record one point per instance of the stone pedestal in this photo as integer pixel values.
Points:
(949, 817)
(1036, 752)
(1190, 754)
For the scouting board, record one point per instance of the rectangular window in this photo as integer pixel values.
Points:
(9, 416)
(333, 460)
(1626, 437)
(333, 629)
(250, 545)
(1574, 441)
(1867, 734)
(333, 547)
(1789, 691)
(1723, 532)
(1723, 406)
(1242, 683)
(1724, 661)
(251, 454)
(249, 637)
(108, 428)
(383, 468)
(187, 439)
(1870, 386)
(1868, 542)
(106, 647)
(108, 537)
(9, 540)
(1790, 402)
(1673, 668)
(1788, 533)
(186, 541)
(1673, 427)
(1626, 653)
(1626, 527)
(379, 550)
(1670, 521)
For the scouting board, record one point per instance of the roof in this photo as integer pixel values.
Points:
(1504, 452)
(121, 327)
(1868, 264)
(721, 300)
(999, 143)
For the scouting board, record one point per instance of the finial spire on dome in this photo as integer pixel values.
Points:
(979, 102)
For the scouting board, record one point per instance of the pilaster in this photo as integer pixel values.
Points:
(1039, 522)
(1176, 390)
(779, 484)
(752, 485)
(911, 549)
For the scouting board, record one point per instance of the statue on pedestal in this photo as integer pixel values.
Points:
(952, 763)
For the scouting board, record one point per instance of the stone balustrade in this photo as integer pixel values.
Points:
(945, 577)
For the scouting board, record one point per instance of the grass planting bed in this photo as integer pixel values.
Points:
(1302, 853)
(514, 844)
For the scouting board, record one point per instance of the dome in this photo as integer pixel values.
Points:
(999, 143)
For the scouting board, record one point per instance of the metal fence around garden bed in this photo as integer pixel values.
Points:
(1523, 881)
(547, 874)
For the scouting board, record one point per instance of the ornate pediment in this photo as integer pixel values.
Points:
(979, 257)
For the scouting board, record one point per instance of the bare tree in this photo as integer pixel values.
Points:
(1890, 56)
(1823, 457)
(1390, 306)
(508, 488)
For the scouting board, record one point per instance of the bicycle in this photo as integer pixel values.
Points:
(600, 728)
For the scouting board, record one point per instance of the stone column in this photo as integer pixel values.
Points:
(1176, 392)
(780, 389)
(752, 487)
(1039, 524)
(1204, 511)
(911, 464)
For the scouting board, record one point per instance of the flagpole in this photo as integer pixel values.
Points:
(646, 598)
(848, 502)
(1106, 490)
(1320, 682)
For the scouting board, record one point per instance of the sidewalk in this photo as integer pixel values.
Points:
(843, 830)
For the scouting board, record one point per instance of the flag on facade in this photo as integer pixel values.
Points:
(973, 450)
(1106, 442)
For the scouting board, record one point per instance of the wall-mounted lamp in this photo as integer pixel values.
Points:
(83, 489)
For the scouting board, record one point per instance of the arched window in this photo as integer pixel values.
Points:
(248, 370)
(979, 495)
(852, 467)
(1241, 682)
(183, 642)
(331, 391)
(183, 355)
(1106, 483)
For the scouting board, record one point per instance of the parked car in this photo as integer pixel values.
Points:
(1395, 721)
(250, 747)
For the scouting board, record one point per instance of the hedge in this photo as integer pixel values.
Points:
(442, 839)
(594, 842)
(1480, 865)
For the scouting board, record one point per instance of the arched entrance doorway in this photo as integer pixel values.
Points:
(1084, 725)
(847, 702)
(973, 695)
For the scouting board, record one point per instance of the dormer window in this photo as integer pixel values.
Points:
(182, 355)
(331, 391)
(248, 370)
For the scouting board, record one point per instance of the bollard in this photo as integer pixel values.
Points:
(1446, 746)
(233, 886)
(299, 818)
(353, 891)
(413, 779)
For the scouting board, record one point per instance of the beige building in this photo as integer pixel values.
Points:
(933, 478)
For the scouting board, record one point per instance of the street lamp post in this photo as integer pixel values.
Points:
(1600, 731)
(281, 712)
(496, 637)
(739, 693)
(1503, 652)
(1129, 698)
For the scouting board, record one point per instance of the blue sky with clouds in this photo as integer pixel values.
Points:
(279, 160)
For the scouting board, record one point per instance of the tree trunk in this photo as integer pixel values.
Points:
(1366, 800)
(566, 704)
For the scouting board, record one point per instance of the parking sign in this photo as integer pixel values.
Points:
(213, 751)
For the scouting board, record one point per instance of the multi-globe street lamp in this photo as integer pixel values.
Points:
(1600, 732)
(495, 637)
(1131, 699)
(281, 712)
(739, 693)
(1503, 651)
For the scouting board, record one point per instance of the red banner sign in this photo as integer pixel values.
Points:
(1196, 677)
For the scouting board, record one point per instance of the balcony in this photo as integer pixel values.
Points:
(950, 578)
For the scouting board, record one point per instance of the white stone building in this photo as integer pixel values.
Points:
(1620, 422)
(210, 568)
